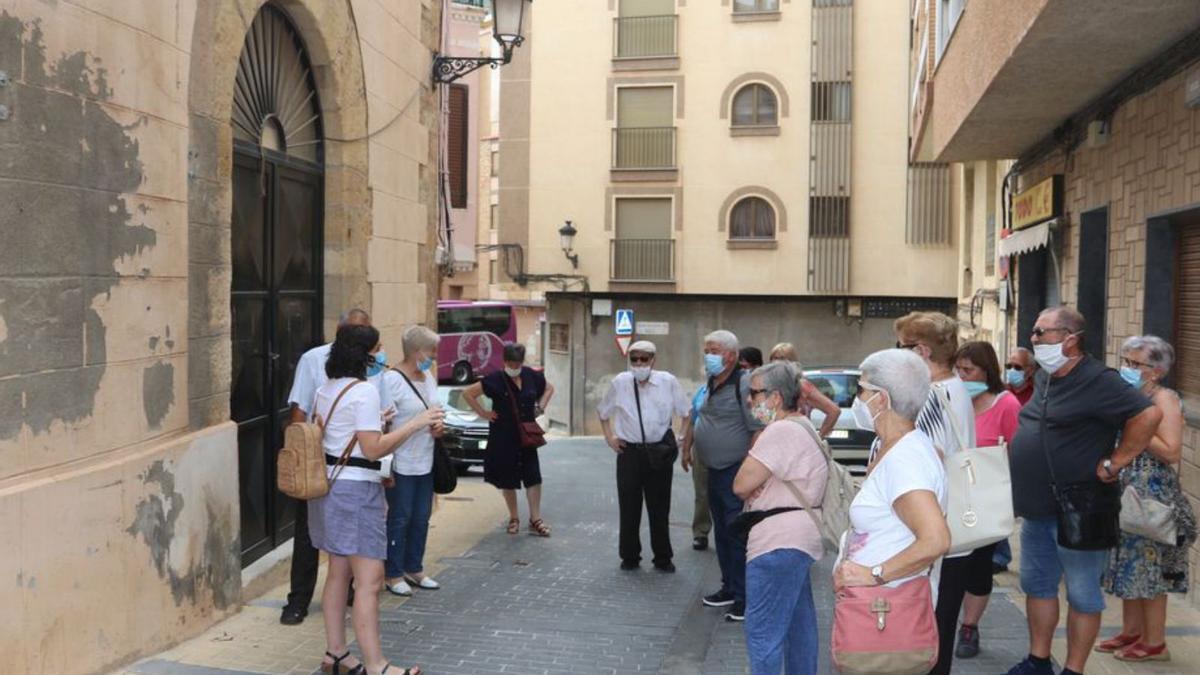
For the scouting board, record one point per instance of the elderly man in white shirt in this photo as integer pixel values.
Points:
(636, 414)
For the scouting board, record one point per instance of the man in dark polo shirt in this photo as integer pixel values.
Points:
(722, 438)
(1079, 409)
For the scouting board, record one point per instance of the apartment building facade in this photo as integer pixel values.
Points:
(738, 164)
(1083, 119)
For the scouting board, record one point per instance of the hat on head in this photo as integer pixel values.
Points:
(644, 346)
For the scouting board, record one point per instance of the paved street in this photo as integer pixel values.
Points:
(521, 604)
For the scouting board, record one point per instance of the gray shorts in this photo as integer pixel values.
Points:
(351, 520)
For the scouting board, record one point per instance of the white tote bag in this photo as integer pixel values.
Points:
(979, 507)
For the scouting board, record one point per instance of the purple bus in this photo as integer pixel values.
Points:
(473, 334)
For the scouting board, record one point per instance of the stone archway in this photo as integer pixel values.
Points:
(331, 37)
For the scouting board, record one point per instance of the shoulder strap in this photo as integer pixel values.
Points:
(333, 407)
(638, 398)
(413, 386)
(512, 398)
(345, 456)
(821, 526)
(943, 395)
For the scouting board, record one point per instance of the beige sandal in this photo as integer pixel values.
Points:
(539, 528)
(514, 526)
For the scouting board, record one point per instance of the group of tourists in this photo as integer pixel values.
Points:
(1081, 440)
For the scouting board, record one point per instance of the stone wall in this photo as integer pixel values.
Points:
(1150, 166)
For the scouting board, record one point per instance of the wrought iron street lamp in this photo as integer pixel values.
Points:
(508, 29)
(566, 236)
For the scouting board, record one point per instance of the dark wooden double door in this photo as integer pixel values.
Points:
(276, 316)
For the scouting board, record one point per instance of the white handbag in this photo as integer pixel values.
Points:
(1148, 518)
(979, 508)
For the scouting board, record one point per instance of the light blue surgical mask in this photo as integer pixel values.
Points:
(425, 364)
(714, 364)
(975, 388)
(379, 366)
(1132, 375)
(1016, 378)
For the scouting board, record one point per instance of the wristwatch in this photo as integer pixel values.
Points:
(877, 574)
(1108, 467)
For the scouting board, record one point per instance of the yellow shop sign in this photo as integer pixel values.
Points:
(1039, 203)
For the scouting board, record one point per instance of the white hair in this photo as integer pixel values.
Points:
(726, 339)
(783, 377)
(1159, 353)
(903, 375)
(417, 338)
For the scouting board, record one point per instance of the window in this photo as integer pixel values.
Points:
(643, 249)
(457, 142)
(752, 218)
(829, 217)
(495, 163)
(645, 133)
(948, 14)
(645, 29)
(1187, 319)
(560, 338)
(494, 320)
(755, 5)
(831, 101)
(755, 105)
(491, 271)
(494, 216)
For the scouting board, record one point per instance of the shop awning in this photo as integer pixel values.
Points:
(1026, 240)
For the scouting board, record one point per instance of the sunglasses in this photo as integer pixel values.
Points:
(858, 390)
(641, 359)
(907, 345)
(1134, 364)
(1013, 366)
(1039, 332)
(755, 392)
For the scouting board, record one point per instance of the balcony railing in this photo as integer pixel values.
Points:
(640, 37)
(642, 260)
(644, 148)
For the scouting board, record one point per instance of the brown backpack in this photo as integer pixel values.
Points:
(300, 466)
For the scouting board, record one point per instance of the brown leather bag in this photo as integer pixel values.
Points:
(530, 434)
(300, 468)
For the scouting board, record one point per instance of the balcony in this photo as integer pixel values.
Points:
(642, 260)
(646, 38)
(643, 148)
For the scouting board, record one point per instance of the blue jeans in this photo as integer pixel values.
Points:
(1003, 553)
(781, 619)
(731, 552)
(410, 503)
(1044, 564)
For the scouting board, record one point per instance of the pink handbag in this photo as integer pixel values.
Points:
(879, 630)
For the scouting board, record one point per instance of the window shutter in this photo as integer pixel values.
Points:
(457, 150)
(1187, 330)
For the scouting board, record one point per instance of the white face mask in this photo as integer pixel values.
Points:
(862, 413)
(640, 373)
(512, 372)
(1050, 357)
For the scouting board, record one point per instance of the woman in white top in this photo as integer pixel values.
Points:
(898, 526)
(411, 389)
(349, 522)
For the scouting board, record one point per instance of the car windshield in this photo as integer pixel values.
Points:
(839, 387)
(453, 398)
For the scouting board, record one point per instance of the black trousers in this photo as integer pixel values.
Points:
(969, 573)
(638, 481)
(305, 562)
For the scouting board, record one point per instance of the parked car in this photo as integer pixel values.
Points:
(466, 433)
(851, 446)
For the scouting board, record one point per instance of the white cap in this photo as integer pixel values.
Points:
(644, 346)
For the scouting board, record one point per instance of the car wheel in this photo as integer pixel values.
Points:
(462, 373)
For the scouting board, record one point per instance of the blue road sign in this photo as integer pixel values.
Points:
(624, 322)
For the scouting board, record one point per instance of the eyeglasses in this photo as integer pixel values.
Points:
(755, 392)
(1014, 366)
(865, 387)
(907, 345)
(1039, 332)
(1134, 364)
(641, 359)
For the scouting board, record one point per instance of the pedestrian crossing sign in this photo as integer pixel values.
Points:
(624, 322)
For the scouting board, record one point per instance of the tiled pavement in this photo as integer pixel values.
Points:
(521, 604)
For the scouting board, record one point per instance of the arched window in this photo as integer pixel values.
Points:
(752, 218)
(755, 105)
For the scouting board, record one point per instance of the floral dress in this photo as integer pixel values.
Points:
(1141, 568)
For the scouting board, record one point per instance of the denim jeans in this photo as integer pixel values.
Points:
(731, 551)
(410, 503)
(781, 619)
(1044, 564)
(1003, 554)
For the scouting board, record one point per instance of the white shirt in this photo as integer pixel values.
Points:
(661, 396)
(310, 375)
(357, 411)
(877, 533)
(413, 457)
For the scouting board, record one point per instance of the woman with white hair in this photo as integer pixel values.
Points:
(1141, 571)
(784, 542)
(411, 389)
(898, 525)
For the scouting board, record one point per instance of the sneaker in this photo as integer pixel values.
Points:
(968, 642)
(737, 612)
(699, 543)
(668, 567)
(400, 588)
(629, 565)
(721, 598)
(292, 616)
(1028, 667)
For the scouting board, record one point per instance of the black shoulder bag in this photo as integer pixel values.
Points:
(662, 453)
(1088, 515)
(445, 477)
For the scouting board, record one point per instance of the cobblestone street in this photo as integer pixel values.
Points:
(522, 604)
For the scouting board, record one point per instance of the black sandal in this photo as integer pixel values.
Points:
(415, 670)
(335, 668)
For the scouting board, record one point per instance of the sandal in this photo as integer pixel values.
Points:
(539, 528)
(514, 526)
(1144, 652)
(1119, 641)
(335, 668)
(415, 670)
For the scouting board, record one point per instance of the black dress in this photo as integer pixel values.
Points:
(506, 464)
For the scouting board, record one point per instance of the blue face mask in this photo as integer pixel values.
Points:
(1133, 376)
(379, 365)
(975, 388)
(425, 364)
(1016, 378)
(714, 364)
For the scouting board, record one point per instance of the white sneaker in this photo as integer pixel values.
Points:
(399, 588)
(425, 583)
